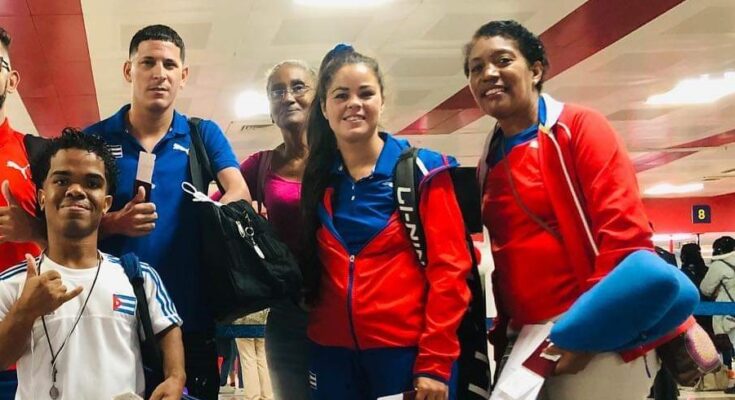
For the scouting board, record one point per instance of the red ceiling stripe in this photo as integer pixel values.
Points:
(659, 158)
(50, 51)
(590, 28)
(717, 140)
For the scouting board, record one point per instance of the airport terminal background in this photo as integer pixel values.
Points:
(661, 71)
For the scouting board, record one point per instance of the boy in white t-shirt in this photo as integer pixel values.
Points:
(68, 318)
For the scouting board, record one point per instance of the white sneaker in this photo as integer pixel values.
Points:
(227, 389)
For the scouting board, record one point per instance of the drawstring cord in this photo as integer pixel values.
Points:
(197, 195)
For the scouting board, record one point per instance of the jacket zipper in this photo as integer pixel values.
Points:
(350, 285)
(351, 277)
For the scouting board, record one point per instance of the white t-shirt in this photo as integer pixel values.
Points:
(102, 357)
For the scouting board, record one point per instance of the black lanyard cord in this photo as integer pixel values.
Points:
(55, 356)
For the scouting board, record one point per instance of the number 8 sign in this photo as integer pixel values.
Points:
(701, 214)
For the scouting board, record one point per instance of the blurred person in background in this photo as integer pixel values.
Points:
(719, 283)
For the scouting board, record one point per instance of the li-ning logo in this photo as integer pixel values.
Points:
(14, 165)
(413, 230)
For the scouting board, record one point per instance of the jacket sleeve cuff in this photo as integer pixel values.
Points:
(432, 376)
(434, 368)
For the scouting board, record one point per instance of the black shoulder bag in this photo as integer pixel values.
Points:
(245, 268)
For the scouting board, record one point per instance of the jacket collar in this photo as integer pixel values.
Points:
(553, 110)
(5, 131)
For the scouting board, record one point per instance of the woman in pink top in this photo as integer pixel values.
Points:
(290, 91)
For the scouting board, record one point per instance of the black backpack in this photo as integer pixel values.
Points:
(245, 268)
(473, 367)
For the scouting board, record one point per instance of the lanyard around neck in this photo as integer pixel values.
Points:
(55, 356)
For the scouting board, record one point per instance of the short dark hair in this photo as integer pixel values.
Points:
(156, 32)
(530, 46)
(5, 38)
(72, 138)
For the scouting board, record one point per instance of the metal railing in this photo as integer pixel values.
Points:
(258, 331)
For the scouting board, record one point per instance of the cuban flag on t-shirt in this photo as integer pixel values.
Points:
(124, 304)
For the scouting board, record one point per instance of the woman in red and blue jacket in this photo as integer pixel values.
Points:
(381, 323)
(570, 238)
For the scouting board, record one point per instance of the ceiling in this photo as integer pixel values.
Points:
(605, 54)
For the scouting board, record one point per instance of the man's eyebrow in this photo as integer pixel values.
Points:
(95, 175)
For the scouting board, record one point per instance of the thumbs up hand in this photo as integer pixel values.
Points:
(43, 293)
(5, 189)
(137, 218)
(16, 225)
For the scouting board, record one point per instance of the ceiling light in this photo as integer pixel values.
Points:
(341, 3)
(667, 188)
(251, 103)
(700, 90)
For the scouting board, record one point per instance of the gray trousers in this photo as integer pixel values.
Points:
(287, 351)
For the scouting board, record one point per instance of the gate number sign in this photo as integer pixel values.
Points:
(701, 214)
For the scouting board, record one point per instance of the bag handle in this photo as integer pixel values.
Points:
(264, 165)
(546, 130)
(723, 285)
(200, 166)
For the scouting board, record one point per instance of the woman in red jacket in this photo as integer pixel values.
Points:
(381, 323)
(561, 203)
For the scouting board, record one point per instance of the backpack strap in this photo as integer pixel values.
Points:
(200, 166)
(492, 140)
(405, 187)
(473, 368)
(149, 347)
(264, 165)
(35, 146)
(723, 284)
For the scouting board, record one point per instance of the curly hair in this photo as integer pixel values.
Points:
(72, 138)
(529, 44)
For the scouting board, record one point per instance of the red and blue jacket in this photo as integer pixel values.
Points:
(374, 293)
(577, 171)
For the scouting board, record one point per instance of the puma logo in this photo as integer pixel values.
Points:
(14, 165)
(181, 148)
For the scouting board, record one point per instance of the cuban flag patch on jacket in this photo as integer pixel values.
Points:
(124, 304)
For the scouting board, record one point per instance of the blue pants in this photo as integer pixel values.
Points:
(337, 373)
(8, 385)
